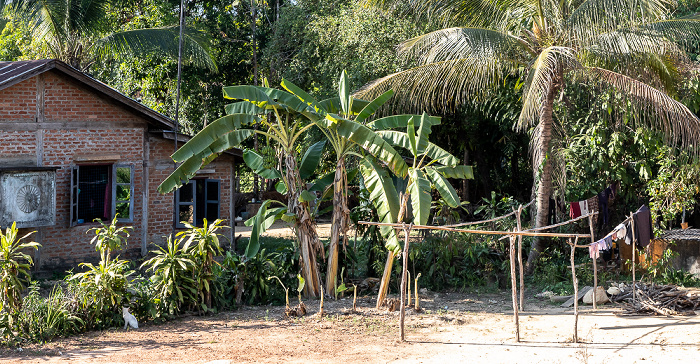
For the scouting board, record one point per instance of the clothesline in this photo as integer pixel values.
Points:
(485, 232)
(490, 220)
(557, 225)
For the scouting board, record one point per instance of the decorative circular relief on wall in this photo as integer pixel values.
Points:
(28, 198)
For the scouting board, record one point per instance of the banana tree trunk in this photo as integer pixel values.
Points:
(544, 188)
(386, 277)
(339, 226)
(305, 229)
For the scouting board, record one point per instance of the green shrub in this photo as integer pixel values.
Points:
(459, 261)
(101, 290)
(203, 245)
(42, 319)
(172, 281)
(14, 267)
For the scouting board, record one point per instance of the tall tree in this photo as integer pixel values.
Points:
(78, 33)
(632, 47)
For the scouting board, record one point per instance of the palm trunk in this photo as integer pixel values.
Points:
(544, 188)
(339, 226)
(305, 229)
(386, 277)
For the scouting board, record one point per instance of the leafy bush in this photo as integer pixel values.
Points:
(203, 245)
(14, 266)
(100, 290)
(459, 261)
(42, 319)
(173, 285)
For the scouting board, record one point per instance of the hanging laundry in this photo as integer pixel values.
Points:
(574, 210)
(619, 232)
(593, 204)
(628, 233)
(584, 208)
(603, 198)
(642, 224)
(593, 250)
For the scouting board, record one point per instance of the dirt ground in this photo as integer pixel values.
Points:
(452, 327)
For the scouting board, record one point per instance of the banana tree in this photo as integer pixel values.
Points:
(342, 114)
(292, 118)
(431, 167)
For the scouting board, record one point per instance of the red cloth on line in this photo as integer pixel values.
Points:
(574, 210)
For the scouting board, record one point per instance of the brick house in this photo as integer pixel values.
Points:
(72, 149)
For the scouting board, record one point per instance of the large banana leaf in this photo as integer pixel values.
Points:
(322, 183)
(444, 187)
(181, 174)
(332, 105)
(384, 197)
(420, 196)
(460, 171)
(256, 162)
(220, 127)
(411, 134)
(401, 140)
(243, 107)
(303, 96)
(375, 104)
(266, 97)
(260, 223)
(310, 161)
(399, 121)
(424, 130)
(374, 144)
(185, 171)
(344, 93)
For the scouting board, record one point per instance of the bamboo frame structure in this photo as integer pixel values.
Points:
(512, 234)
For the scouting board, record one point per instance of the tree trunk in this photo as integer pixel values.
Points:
(339, 226)
(305, 229)
(544, 188)
(386, 277)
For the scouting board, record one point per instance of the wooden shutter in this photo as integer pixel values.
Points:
(212, 193)
(74, 191)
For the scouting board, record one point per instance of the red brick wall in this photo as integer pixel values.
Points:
(19, 101)
(160, 212)
(77, 122)
(80, 122)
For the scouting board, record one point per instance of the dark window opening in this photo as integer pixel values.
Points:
(101, 192)
(196, 201)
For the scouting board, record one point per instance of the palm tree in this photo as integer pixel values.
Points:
(76, 32)
(635, 48)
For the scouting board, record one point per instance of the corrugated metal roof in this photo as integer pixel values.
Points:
(12, 73)
(681, 234)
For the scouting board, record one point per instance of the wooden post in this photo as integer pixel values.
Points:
(573, 277)
(520, 260)
(634, 242)
(408, 286)
(514, 288)
(595, 265)
(406, 232)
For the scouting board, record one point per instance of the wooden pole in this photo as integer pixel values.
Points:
(595, 265)
(634, 242)
(406, 232)
(575, 281)
(408, 288)
(514, 289)
(520, 260)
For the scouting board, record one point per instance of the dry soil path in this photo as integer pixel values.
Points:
(453, 328)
